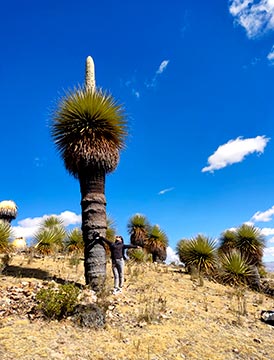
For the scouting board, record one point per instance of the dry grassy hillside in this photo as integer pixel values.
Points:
(161, 314)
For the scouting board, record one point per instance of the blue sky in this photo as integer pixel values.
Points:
(196, 79)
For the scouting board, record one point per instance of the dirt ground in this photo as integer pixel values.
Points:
(161, 314)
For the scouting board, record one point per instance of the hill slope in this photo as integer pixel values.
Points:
(161, 314)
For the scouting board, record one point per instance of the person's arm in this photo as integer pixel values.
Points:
(132, 246)
(129, 247)
(99, 237)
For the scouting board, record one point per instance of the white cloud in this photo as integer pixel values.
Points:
(267, 231)
(264, 216)
(159, 71)
(235, 151)
(162, 67)
(256, 17)
(171, 256)
(271, 240)
(162, 192)
(131, 85)
(136, 93)
(270, 56)
(269, 251)
(29, 226)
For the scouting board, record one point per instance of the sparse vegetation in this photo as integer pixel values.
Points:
(160, 311)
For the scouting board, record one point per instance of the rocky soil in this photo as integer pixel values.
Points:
(161, 314)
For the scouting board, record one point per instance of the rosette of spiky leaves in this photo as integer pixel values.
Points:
(138, 255)
(45, 241)
(227, 241)
(89, 129)
(5, 236)
(235, 268)
(74, 241)
(200, 253)
(8, 210)
(50, 236)
(156, 243)
(138, 227)
(181, 249)
(250, 242)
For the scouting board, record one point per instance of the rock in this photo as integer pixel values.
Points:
(90, 315)
(267, 316)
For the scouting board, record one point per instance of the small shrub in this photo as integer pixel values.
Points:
(152, 309)
(57, 303)
(74, 261)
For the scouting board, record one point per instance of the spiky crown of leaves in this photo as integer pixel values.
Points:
(89, 128)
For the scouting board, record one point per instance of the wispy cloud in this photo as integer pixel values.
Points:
(270, 56)
(28, 227)
(186, 23)
(235, 151)
(158, 72)
(136, 93)
(263, 216)
(162, 192)
(256, 17)
(131, 84)
(162, 67)
(39, 162)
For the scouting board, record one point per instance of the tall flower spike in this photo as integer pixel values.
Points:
(90, 74)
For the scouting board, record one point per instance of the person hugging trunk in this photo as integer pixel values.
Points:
(117, 251)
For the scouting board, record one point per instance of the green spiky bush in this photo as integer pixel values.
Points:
(50, 237)
(227, 241)
(181, 249)
(5, 236)
(138, 227)
(199, 252)
(58, 303)
(235, 269)
(251, 243)
(156, 243)
(74, 242)
(139, 255)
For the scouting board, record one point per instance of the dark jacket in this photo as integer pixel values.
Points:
(117, 249)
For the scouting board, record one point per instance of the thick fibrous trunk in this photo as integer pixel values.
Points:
(93, 203)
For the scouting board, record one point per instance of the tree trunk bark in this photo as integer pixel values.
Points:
(93, 203)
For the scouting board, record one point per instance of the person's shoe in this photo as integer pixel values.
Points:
(117, 291)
